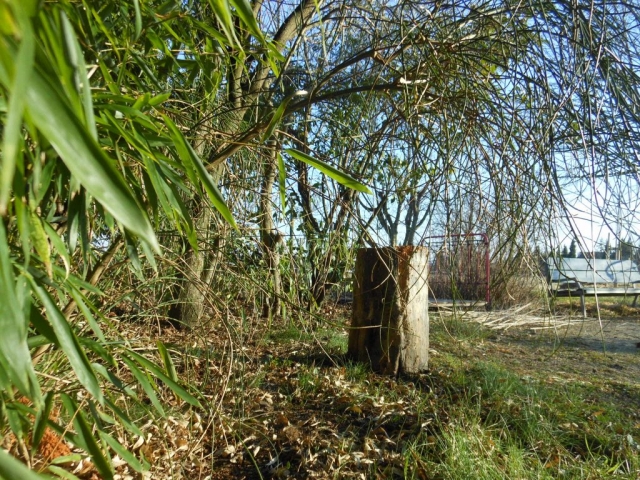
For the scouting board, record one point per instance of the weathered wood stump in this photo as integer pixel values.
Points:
(390, 320)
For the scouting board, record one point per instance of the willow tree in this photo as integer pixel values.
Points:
(499, 113)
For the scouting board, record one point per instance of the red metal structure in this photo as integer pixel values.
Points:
(460, 267)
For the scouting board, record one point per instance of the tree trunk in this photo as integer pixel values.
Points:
(269, 236)
(191, 301)
(390, 321)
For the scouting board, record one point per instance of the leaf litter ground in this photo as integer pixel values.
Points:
(285, 403)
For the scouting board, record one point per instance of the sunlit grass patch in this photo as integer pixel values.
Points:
(502, 425)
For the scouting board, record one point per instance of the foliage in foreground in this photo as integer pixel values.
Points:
(88, 168)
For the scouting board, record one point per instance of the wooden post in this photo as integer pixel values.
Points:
(390, 321)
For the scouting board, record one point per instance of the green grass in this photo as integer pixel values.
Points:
(504, 426)
(609, 306)
(512, 430)
(456, 328)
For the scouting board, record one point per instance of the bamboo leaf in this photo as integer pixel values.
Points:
(155, 370)
(75, 216)
(124, 419)
(158, 186)
(282, 181)
(332, 172)
(40, 423)
(275, 119)
(86, 312)
(45, 180)
(60, 248)
(40, 242)
(15, 419)
(69, 343)
(159, 99)
(223, 13)
(85, 434)
(115, 380)
(27, 8)
(168, 363)
(81, 73)
(36, 341)
(245, 12)
(11, 468)
(138, 20)
(142, 101)
(142, 379)
(96, 347)
(74, 457)
(190, 157)
(134, 258)
(42, 327)
(53, 116)
(183, 150)
(125, 454)
(61, 472)
(14, 351)
(13, 125)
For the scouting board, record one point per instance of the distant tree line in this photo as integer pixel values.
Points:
(628, 251)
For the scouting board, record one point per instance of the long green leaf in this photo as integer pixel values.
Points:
(183, 150)
(15, 419)
(72, 458)
(157, 371)
(84, 432)
(61, 472)
(125, 421)
(69, 343)
(12, 469)
(40, 241)
(12, 129)
(223, 12)
(79, 299)
(45, 332)
(13, 326)
(146, 385)
(28, 7)
(53, 116)
(168, 363)
(59, 247)
(159, 99)
(275, 119)
(190, 157)
(115, 380)
(340, 177)
(245, 12)
(80, 68)
(41, 420)
(126, 455)
(282, 181)
(138, 21)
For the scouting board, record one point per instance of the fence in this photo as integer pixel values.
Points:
(459, 267)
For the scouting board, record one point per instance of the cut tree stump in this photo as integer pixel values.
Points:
(390, 320)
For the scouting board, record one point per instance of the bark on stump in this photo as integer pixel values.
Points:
(390, 320)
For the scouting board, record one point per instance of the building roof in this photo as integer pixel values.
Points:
(588, 270)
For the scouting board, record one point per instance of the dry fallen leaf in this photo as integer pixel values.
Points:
(281, 421)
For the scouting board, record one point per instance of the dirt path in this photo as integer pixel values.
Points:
(609, 335)
(609, 347)
(604, 354)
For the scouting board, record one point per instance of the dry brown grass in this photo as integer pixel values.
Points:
(519, 290)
